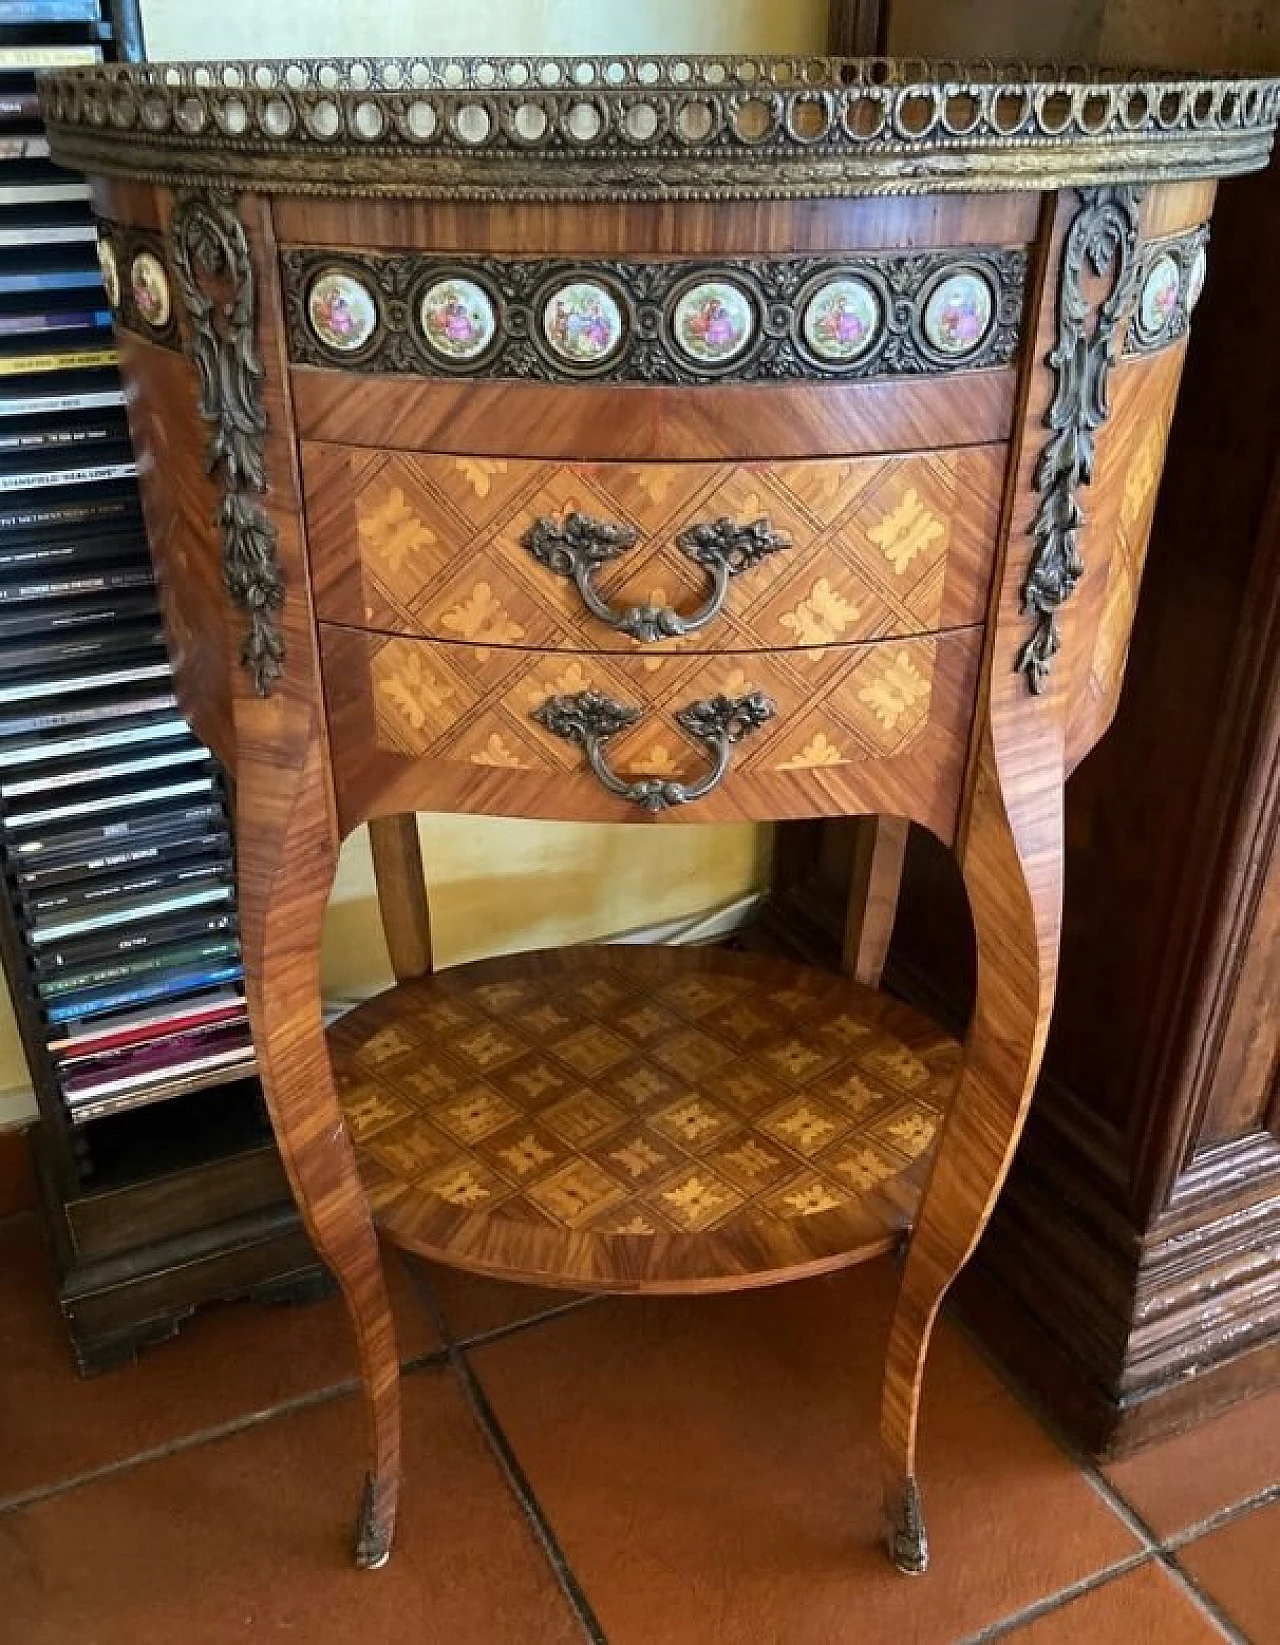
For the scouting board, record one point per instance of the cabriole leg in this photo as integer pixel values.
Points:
(1011, 861)
(287, 858)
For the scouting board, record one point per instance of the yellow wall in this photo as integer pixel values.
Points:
(247, 28)
(497, 886)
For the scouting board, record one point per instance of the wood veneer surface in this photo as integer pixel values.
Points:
(595, 422)
(670, 229)
(927, 716)
(425, 725)
(435, 546)
(642, 1119)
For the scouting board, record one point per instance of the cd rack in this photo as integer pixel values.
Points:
(118, 919)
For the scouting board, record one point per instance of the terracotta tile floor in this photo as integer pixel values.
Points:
(642, 1472)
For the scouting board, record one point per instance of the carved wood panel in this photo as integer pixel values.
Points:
(1155, 1302)
(1244, 1094)
(433, 545)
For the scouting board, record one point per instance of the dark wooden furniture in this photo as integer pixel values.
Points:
(1130, 1273)
(159, 1195)
(514, 339)
(1156, 1299)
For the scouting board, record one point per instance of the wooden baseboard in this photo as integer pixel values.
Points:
(135, 1261)
(1102, 1423)
(113, 1310)
(1127, 1334)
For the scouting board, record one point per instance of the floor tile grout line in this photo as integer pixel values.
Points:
(1125, 1511)
(1203, 1601)
(1265, 1498)
(1151, 1550)
(1115, 1497)
(331, 1391)
(496, 1333)
(1174, 1544)
(453, 1355)
(1062, 1597)
(1149, 1545)
(419, 1273)
(524, 1493)
(155, 1453)
(1119, 1505)
(1053, 1429)
(1163, 1550)
(509, 1464)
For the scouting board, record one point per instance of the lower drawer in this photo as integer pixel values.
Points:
(428, 726)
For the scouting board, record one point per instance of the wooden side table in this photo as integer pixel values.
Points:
(645, 439)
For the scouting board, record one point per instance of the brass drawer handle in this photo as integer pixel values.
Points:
(575, 546)
(591, 718)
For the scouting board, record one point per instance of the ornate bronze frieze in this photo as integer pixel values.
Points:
(1103, 244)
(215, 276)
(649, 127)
(136, 277)
(1170, 281)
(649, 321)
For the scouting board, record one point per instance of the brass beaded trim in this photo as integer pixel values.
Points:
(647, 294)
(649, 127)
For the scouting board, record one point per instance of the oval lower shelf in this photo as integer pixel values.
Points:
(642, 1119)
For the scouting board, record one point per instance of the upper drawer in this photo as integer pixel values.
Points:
(732, 556)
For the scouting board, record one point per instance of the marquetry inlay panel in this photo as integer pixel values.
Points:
(622, 1112)
(431, 545)
(1130, 468)
(838, 706)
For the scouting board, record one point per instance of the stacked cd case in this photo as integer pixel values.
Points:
(114, 833)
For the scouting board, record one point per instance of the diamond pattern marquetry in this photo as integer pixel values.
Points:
(839, 706)
(639, 1116)
(429, 545)
(1130, 465)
